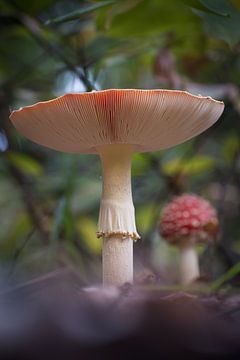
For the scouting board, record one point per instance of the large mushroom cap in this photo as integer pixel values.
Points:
(149, 119)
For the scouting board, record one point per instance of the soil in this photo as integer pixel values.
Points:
(58, 318)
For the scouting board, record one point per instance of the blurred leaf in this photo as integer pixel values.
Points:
(152, 20)
(236, 3)
(18, 230)
(223, 27)
(140, 164)
(194, 166)
(144, 217)
(58, 219)
(68, 223)
(220, 7)
(25, 163)
(76, 14)
(230, 147)
(103, 46)
(86, 227)
(87, 194)
(230, 274)
(119, 8)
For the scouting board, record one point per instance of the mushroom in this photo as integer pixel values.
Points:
(115, 124)
(187, 220)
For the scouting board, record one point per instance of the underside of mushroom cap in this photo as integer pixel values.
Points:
(150, 120)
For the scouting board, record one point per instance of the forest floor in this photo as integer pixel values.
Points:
(56, 317)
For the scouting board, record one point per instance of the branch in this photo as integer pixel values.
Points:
(19, 251)
(34, 29)
(33, 209)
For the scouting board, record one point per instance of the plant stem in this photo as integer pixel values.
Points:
(230, 274)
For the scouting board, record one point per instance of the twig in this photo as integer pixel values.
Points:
(175, 288)
(35, 281)
(33, 27)
(19, 251)
(33, 210)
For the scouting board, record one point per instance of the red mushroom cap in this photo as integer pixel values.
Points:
(188, 217)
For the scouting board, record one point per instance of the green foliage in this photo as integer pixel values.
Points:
(145, 216)
(221, 7)
(142, 21)
(86, 227)
(230, 274)
(58, 219)
(140, 164)
(75, 15)
(223, 22)
(18, 231)
(25, 163)
(197, 165)
(231, 146)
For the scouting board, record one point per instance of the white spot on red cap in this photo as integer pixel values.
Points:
(186, 214)
(195, 223)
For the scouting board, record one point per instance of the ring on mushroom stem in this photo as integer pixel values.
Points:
(115, 124)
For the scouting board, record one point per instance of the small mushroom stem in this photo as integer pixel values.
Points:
(117, 216)
(188, 264)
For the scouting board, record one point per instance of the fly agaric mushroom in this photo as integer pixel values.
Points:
(186, 221)
(115, 124)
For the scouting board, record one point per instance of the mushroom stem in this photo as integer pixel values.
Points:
(117, 216)
(188, 264)
(117, 260)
